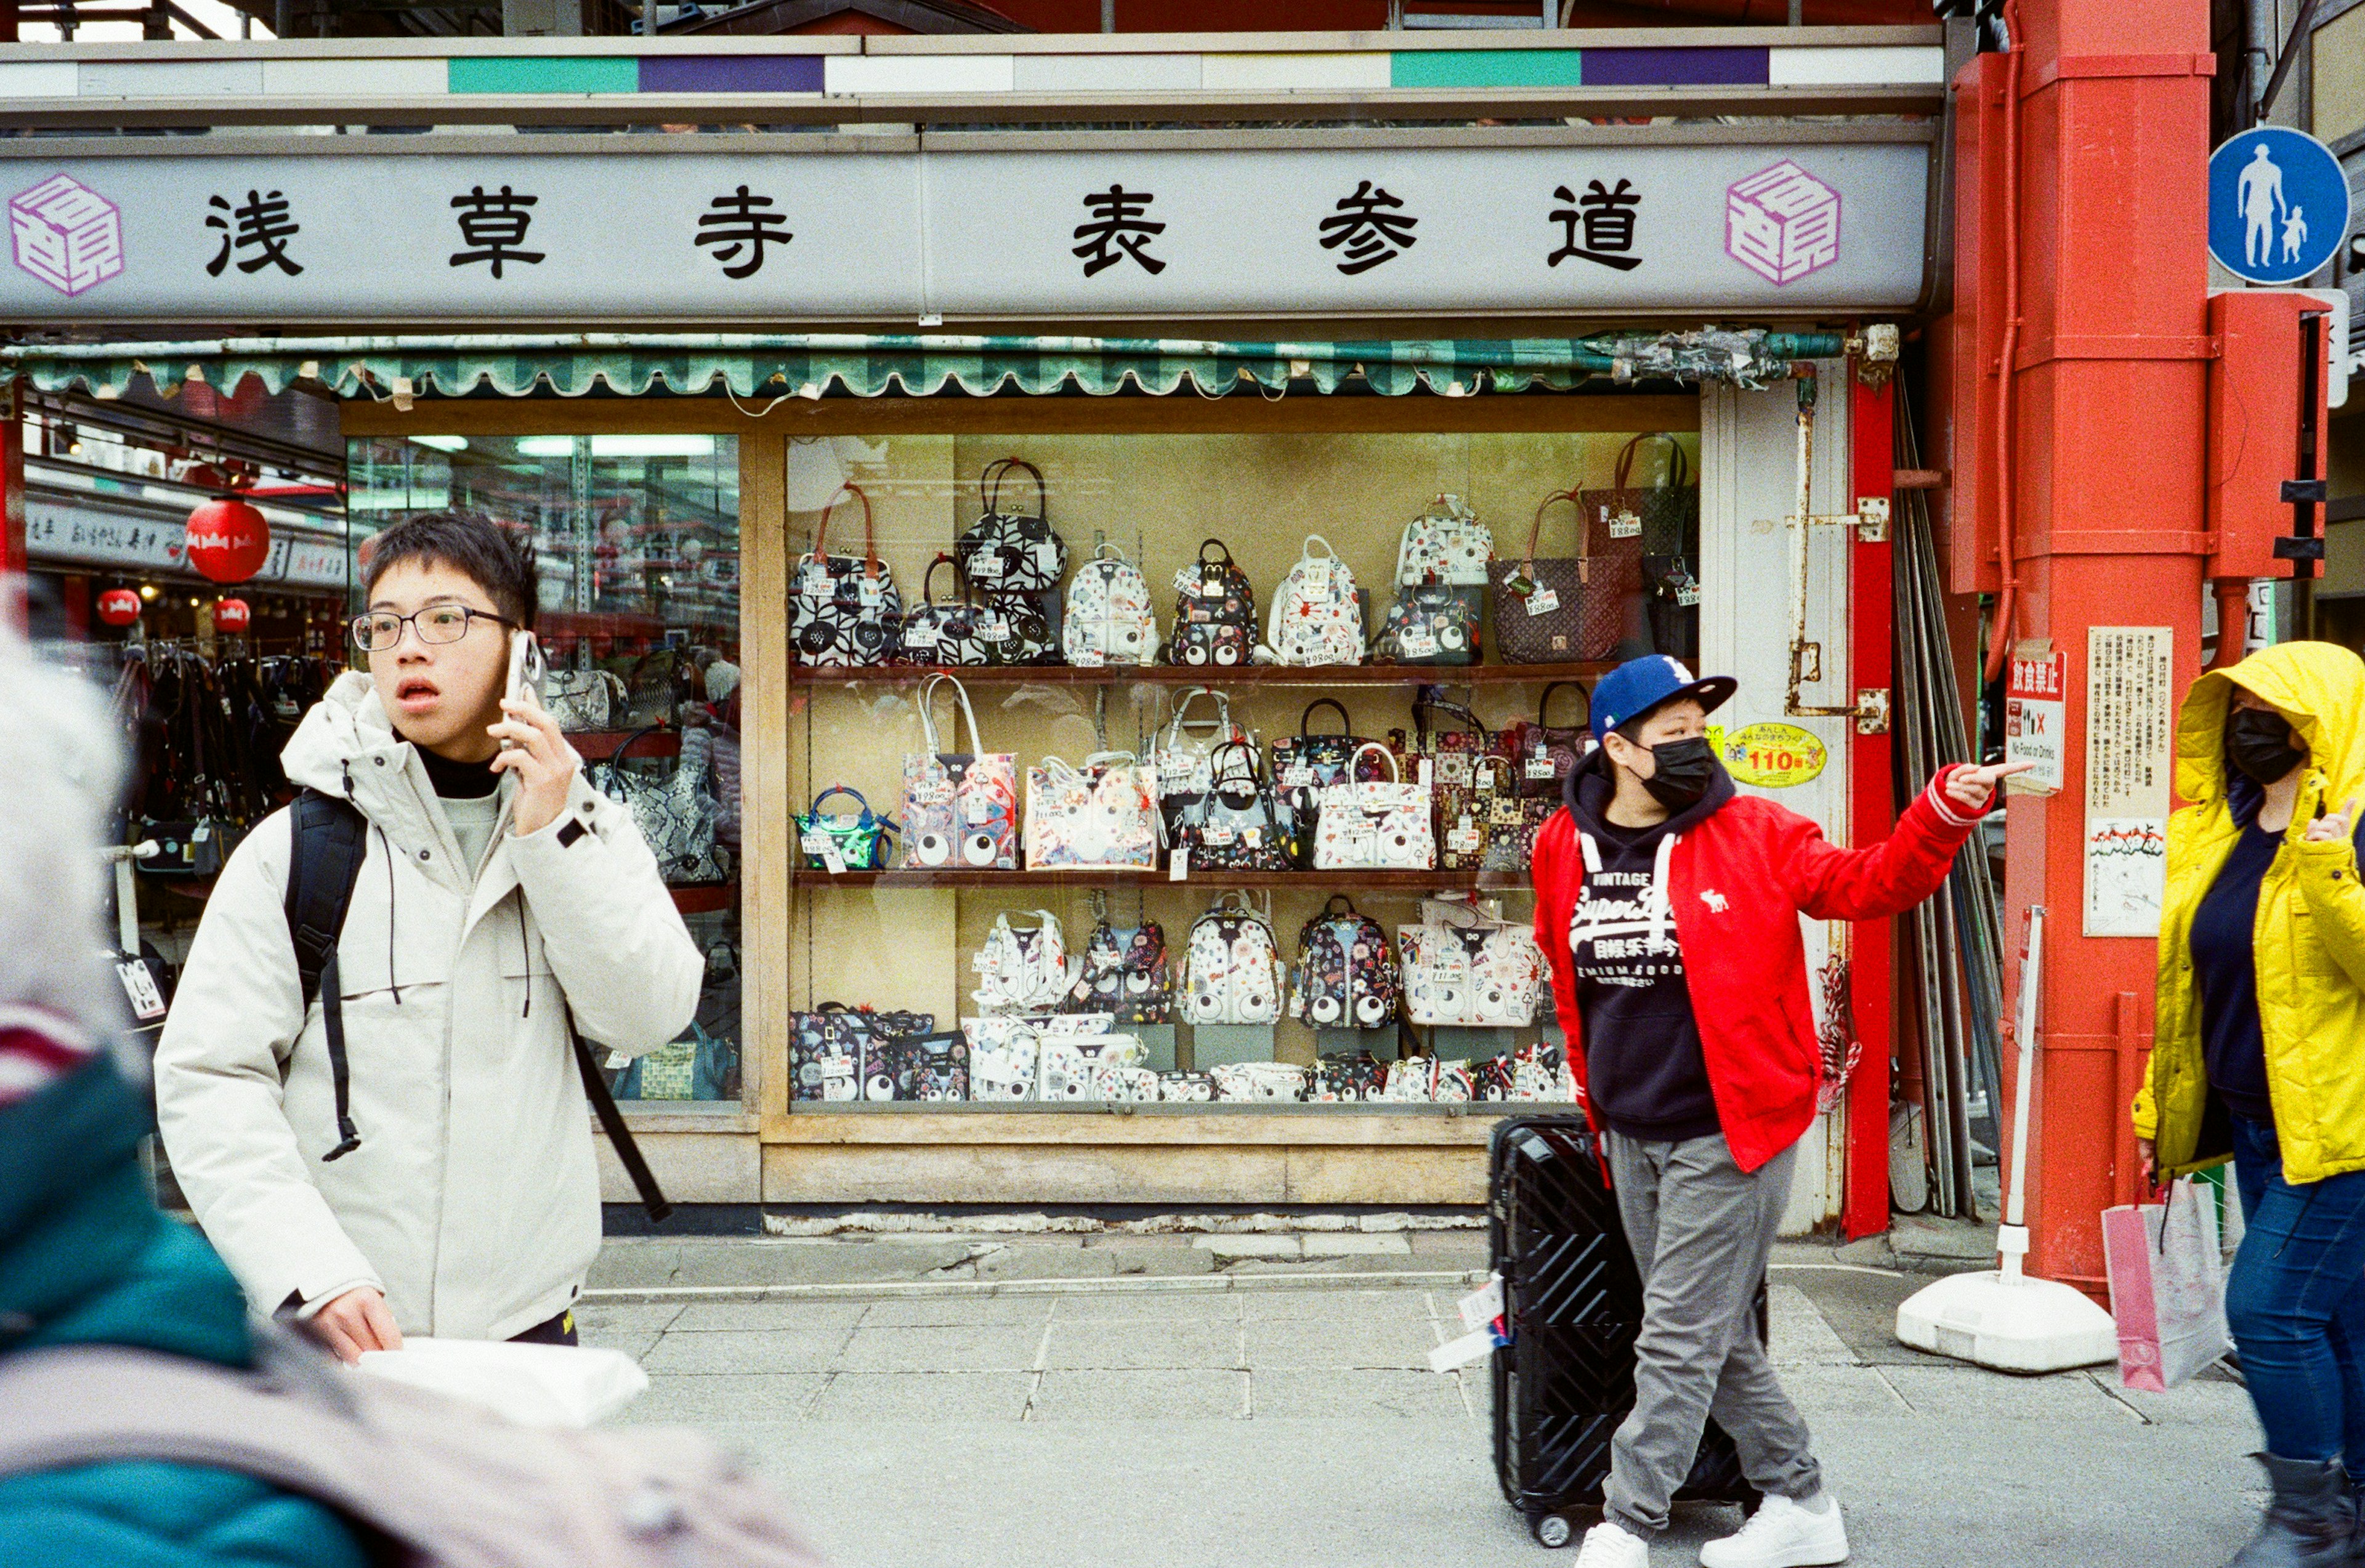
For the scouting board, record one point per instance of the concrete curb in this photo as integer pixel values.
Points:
(1136, 1284)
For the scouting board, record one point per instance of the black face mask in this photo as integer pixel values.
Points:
(2261, 745)
(1683, 774)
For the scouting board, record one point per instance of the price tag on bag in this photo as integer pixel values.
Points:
(139, 986)
(1625, 525)
(978, 809)
(1417, 642)
(921, 636)
(1178, 868)
(986, 564)
(1539, 767)
(1465, 838)
(816, 842)
(1297, 775)
(1543, 601)
(833, 861)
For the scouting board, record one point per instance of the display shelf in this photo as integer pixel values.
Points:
(1216, 882)
(1198, 675)
(598, 746)
(707, 898)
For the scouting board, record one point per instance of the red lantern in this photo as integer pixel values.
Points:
(227, 540)
(231, 615)
(119, 607)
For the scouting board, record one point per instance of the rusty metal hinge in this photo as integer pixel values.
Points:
(1872, 710)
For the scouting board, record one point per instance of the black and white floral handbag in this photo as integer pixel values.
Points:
(1012, 552)
(843, 609)
(946, 633)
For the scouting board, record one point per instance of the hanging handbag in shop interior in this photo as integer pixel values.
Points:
(1124, 975)
(1317, 611)
(1440, 588)
(1659, 527)
(1464, 968)
(674, 807)
(1544, 753)
(960, 809)
(1181, 758)
(828, 1047)
(584, 696)
(1237, 824)
(1345, 976)
(942, 634)
(1468, 769)
(843, 609)
(834, 841)
(1382, 826)
(1215, 611)
(1101, 814)
(1233, 972)
(195, 790)
(1108, 619)
(663, 682)
(1304, 763)
(1565, 609)
(1023, 969)
(1012, 552)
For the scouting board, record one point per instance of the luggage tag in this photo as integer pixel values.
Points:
(1543, 601)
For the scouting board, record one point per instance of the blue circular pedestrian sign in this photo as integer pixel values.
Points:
(2278, 204)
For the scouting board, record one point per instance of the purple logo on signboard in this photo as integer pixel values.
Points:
(66, 234)
(1782, 223)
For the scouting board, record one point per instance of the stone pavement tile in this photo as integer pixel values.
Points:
(2218, 1404)
(738, 1261)
(1965, 1394)
(1201, 1393)
(1796, 1334)
(1328, 1394)
(925, 1396)
(626, 1263)
(1449, 1248)
(740, 1350)
(1159, 1263)
(1826, 1393)
(1253, 1245)
(1027, 1262)
(1149, 1306)
(731, 1396)
(954, 1311)
(1861, 1308)
(1118, 1344)
(632, 1330)
(1353, 1245)
(1341, 1342)
(706, 1316)
(1271, 1305)
(991, 1348)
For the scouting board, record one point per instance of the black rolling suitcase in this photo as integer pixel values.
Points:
(1573, 1301)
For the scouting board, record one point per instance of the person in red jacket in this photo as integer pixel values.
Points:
(1668, 905)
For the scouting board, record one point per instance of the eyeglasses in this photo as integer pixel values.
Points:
(379, 631)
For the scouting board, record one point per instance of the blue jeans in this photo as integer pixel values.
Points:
(2295, 1302)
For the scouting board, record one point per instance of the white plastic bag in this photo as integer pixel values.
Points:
(535, 1385)
(2168, 1286)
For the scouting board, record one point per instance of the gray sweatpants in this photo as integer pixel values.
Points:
(1701, 1231)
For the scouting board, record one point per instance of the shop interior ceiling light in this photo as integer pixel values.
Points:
(2001, 1317)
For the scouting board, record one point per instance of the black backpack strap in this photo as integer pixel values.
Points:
(327, 839)
(611, 1122)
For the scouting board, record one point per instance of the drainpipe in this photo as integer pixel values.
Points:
(2007, 608)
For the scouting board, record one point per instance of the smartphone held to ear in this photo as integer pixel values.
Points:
(526, 671)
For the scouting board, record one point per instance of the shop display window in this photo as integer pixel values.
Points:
(1197, 769)
(638, 539)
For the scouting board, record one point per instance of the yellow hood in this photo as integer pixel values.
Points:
(2319, 687)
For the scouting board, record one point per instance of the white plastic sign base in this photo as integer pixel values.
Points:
(2016, 1325)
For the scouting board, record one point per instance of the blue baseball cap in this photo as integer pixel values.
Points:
(1636, 687)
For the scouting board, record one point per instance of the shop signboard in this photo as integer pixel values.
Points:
(85, 534)
(1067, 232)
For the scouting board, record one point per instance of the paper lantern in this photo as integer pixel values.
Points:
(227, 540)
(232, 615)
(119, 607)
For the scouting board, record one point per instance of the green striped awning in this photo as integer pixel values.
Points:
(869, 365)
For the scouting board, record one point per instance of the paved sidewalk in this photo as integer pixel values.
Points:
(1240, 1418)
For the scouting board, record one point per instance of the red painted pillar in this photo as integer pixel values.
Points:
(12, 507)
(1872, 811)
(2081, 423)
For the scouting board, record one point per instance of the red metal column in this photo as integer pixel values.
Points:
(2081, 481)
(1872, 811)
(12, 506)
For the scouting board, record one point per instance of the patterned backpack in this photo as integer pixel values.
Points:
(1235, 973)
(1124, 975)
(1345, 976)
(1215, 611)
(1318, 616)
(1108, 619)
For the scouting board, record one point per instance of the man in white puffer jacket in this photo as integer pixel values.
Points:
(499, 891)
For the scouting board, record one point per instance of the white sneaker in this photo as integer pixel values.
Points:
(1783, 1534)
(1611, 1546)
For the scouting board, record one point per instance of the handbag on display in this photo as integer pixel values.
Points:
(1658, 528)
(1237, 824)
(1233, 973)
(1468, 771)
(856, 843)
(828, 1047)
(1023, 969)
(583, 697)
(663, 683)
(1012, 552)
(1124, 975)
(1104, 814)
(1215, 611)
(1345, 976)
(1561, 610)
(1446, 544)
(843, 609)
(1345, 1078)
(676, 812)
(1464, 968)
(1318, 613)
(1544, 753)
(960, 809)
(1003, 1053)
(1015, 631)
(1108, 619)
(933, 1067)
(933, 633)
(1421, 1080)
(1380, 827)
(1186, 1088)
(1304, 762)
(1533, 1073)
(1073, 1067)
(1431, 625)
(1258, 1080)
(1180, 760)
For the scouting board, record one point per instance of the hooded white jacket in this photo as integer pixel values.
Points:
(473, 1201)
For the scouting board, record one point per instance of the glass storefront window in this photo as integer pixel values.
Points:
(637, 538)
(1008, 919)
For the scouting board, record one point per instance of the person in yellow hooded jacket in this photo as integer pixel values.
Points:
(2258, 1056)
